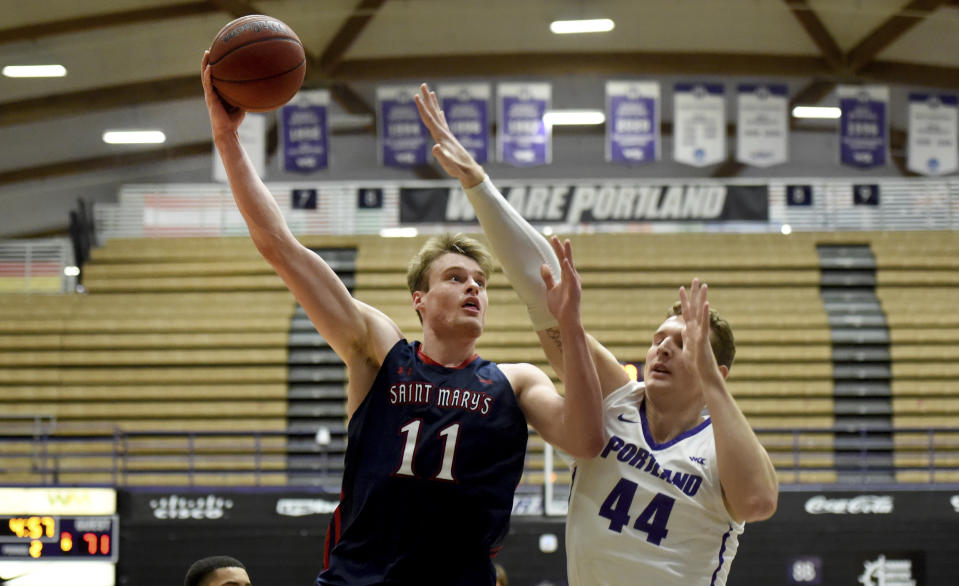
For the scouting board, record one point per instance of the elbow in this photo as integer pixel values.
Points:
(761, 506)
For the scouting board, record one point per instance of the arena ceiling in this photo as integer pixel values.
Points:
(134, 63)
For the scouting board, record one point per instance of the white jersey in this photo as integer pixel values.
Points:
(648, 513)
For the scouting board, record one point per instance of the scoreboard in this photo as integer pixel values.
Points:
(56, 536)
(52, 537)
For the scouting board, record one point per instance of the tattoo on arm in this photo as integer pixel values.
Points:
(553, 334)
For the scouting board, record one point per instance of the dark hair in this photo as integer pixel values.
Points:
(206, 566)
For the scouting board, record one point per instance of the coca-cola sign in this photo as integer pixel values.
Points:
(866, 504)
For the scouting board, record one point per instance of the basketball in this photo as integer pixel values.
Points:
(257, 63)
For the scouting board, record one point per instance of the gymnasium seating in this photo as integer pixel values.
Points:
(918, 284)
(182, 344)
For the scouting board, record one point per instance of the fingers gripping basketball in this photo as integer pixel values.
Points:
(257, 63)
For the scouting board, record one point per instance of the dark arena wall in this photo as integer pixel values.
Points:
(816, 537)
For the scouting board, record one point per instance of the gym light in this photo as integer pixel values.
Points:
(826, 112)
(595, 25)
(134, 137)
(573, 117)
(398, 232)
(34, 71)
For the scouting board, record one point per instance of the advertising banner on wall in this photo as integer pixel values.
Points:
(932, 134)
(762, 124)
(699, 124)
(632, 122)
(582, 203)
(403, 140)
(864, 125)
(523, 139)
(305, 131)
(467, 108)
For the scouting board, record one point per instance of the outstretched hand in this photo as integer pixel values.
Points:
(449, 152)
(224, 119)
(695, 334)
(563, 298)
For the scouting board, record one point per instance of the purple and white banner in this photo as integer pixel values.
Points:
(699, 124)
(467, 108)
(523, 139)
(403, 138)
(932, 133)
(252, 133)
(762, 124)
(305, 130)
(864, 125)
(632, 121)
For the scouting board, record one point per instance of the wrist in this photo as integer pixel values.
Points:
(472, 176)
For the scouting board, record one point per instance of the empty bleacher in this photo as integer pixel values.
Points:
(194, 354)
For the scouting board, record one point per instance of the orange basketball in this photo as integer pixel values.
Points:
(258, 63)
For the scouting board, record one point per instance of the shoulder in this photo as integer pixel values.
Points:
(523, 375)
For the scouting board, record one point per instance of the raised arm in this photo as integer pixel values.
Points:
(520, 249)
(572, 422)
(746, 473)
(359, 334)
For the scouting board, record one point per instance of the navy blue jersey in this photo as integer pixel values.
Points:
(434, 455)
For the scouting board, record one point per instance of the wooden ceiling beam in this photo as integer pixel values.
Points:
(618, 63)
(98, 21)
(817, 32)
(911, 74)
(891, 29)
(106, 162)
(344, 38)
(97, 99)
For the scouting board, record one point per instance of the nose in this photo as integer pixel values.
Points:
(663, 349)
(472, 285)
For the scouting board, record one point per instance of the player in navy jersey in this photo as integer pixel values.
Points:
(437, 435)
(665, 500)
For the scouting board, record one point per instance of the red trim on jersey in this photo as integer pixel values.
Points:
(334, 528)
(428, 360)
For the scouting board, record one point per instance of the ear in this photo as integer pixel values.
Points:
(724, 370)
(417, 300)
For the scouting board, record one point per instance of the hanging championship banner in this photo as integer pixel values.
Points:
(252, 133)
(467, 109)
(305, 130)
(863, 128)
(403, 138)
(523, 139)
(699, 124)
(632, 121)
(762, 124)
(932, 134)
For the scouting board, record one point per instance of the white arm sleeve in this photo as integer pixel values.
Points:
(521, 250)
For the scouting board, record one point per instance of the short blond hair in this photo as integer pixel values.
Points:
(418, 269)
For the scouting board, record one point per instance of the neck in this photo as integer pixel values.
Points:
(449, 352)
(668, 419)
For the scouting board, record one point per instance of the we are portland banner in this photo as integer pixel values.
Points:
(304, 132)
(565, 203)
(932, 134)
(403, 140)
(864, 125)
(632, 122)
(699, 124)
(523, 138)
(467, 108)
(762, 125)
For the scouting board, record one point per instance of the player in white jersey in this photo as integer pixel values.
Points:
(667, 498)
